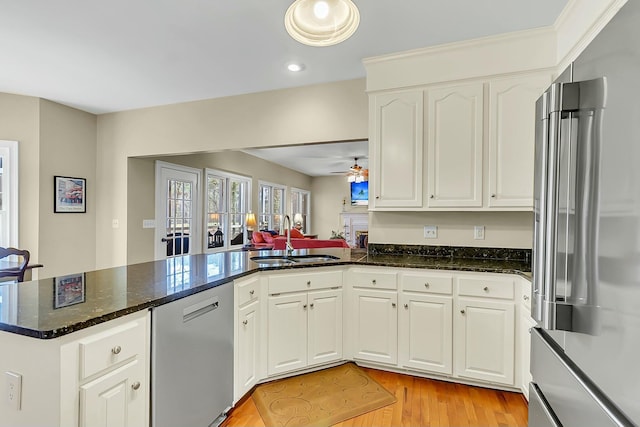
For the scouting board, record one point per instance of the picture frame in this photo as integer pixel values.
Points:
(68, 290)
(69, 194)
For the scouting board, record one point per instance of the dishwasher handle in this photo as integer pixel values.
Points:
(200, 308)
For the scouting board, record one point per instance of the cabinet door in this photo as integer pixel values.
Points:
(426, 333)
(115, 399)
(485, 342)
(454, 145)
(396, 150)
(325, 326)
(526, 323)
(375, 325)
(287, 328)
(248, 348)
(511, 139)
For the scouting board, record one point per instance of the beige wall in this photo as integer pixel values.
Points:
(502, 229)
(327, 195)
(328, 112)
(67, 242)
(20, 121)
(141, 189)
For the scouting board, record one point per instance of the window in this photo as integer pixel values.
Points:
(228, 197)
(300, 202)
(8, 193)
(272, 203)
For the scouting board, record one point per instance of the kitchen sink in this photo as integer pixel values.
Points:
(291, 259)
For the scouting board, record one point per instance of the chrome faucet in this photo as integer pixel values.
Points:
(288, 229)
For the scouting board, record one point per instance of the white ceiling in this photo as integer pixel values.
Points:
(123, 54)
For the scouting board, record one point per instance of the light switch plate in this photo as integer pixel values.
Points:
(14, 389)
(430, 232)
(148, 223)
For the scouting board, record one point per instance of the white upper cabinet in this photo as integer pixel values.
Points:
(396, 150)
(454, 145)
(511, 139)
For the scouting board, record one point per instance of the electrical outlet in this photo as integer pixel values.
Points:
(14, 389)
(115, 223)
(478, 232)
(430, 232)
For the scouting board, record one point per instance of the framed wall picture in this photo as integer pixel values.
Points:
(70, 194)
(68, 290)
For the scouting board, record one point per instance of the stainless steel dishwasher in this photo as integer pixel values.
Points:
(192, 359)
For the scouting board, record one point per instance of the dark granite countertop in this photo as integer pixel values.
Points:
(51, 308)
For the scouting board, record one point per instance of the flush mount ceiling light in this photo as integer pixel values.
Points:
(321, 22)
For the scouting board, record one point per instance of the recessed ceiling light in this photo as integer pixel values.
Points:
(295, 67)
(321, 22)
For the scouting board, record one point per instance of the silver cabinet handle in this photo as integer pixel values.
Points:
(462, 311)
(116, 350)
(251, 292)
(486, 289)
(244, 322)
(406, 306)
(393, 304)
(525, 297)
(135, 385)
(426, 285)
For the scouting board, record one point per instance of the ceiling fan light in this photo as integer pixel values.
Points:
(351, 178)
(321, 22)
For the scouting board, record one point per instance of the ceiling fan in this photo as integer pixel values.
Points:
(356, 173)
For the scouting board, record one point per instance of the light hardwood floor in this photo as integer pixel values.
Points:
(421, 402)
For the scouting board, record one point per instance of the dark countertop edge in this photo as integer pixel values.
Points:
(57, 333)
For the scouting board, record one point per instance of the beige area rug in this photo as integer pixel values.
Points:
(320, 398)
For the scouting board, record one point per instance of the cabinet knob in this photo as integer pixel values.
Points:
(251, 292)
(308, 282)
(244, 322)
(493, 196)
(426, 285)
(462, 311)
(393, 304)
(486, 289)
(526, 297)
(135, 385)
(406, 306)
(432, 196)
(304, 306)
(311, 305)
(377, 197)
(373, 281)
(116, 350)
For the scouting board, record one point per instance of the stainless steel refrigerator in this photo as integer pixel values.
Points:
(585, 356)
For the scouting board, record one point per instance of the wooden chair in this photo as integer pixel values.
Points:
(18, 270)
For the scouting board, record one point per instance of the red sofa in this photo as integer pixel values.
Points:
(264, 240)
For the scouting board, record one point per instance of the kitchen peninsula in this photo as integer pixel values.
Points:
(107, 330)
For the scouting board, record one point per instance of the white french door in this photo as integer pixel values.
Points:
(178, 229)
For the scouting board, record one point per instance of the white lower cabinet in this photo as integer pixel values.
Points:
(375, 323)
(485, 340)
(426, 333)
(114, 399)
(304, 320)
(248, 335)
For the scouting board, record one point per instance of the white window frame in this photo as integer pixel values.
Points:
(226, 223)
(306, 215)
(271, 215)
(9, 217)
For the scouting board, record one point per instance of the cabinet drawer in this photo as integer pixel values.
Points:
(103, 350)
(374, 279)
(489, 287)
(304, 281)
(248, 290)
(431, 283)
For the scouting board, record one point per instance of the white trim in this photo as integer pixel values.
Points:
(196, 238)
(14, 199)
